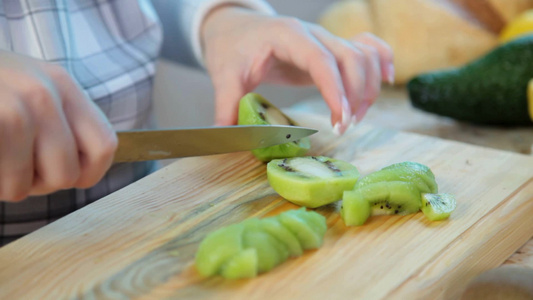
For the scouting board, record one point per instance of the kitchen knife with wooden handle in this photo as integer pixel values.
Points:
(144, 145)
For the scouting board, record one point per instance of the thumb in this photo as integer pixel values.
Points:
(228, 91)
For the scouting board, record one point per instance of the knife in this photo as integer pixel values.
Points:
(141, 145)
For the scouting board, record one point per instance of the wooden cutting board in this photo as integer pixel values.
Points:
(140, 241)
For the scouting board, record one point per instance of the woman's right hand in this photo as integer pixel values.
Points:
(52, 136)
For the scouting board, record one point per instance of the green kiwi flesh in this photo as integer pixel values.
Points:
(256, 110)
(420, 170)
(311, 181)
(242, 265)
(391, 198)
(228, 243)
(399, 174)
(355, 209)
(438, 206)
(257, 245)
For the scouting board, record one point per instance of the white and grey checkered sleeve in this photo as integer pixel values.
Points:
(182, 20)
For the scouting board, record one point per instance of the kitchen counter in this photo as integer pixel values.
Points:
(393, 110)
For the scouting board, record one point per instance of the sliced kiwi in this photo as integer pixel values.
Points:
(392, 198)
(242, 265)
(227, 241)
(257, 245)
(314, 219)
(311, 181)
(273, 226)
(268, 255)
(355, 209)
(438, 206)
(256, 110)
(399, 174)
(309, 238)
(422, 171)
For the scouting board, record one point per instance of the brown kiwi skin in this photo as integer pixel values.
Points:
(506, 282)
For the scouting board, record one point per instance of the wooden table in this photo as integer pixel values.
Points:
(140, 241)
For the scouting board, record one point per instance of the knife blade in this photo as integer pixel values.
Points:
(142, 145)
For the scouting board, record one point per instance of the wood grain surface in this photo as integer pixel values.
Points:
(140, 241)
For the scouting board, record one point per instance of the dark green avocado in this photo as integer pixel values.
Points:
(491, 90)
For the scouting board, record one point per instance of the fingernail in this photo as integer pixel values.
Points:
(337, 129)
(390, 74)
(346, 112)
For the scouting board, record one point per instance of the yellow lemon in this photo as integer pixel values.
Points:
(522, 25)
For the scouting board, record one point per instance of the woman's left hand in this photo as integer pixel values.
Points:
(243, 48)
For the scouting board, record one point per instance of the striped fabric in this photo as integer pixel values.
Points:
(109, 47)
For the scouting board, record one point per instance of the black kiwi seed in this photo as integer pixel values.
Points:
(314, 157)
(288, 136)
(396, 211)
(262, 116)
(399, 206)
(332, 167)
(382, 207)
(264, 105)
(286, 168)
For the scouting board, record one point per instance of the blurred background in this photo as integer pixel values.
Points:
(184, 97)
(425, 35)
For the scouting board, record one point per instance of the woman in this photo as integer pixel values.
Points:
(73, 72)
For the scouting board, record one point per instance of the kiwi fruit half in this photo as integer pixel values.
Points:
(311, 181)
(257, 245)
(256, 110)
(438, 206)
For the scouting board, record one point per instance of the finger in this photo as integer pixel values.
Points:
(94, 136)
(16, 154)
(55, 153)
(352, 63)
(299, 47)
(229, 90)
(373, 78)
(386, 56)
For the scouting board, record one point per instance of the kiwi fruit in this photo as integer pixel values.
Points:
(227, 241)
(355, 209)
(242, 265)
(379, 198)
(401, 174)
(420, 170)
(438, 206)
(257, 245)
(256, 110)
(311, 181)
(392, 198)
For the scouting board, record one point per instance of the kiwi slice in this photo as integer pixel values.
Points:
(355, 209)
(391, 197)
(242, 265)
(256, 110)
(438, 206)
(311, 181)
(284, 235)
(227, 241)
(399, 174)
(257, 245)
(423, 171)
(309, 239)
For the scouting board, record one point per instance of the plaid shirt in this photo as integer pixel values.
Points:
(109, 47)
